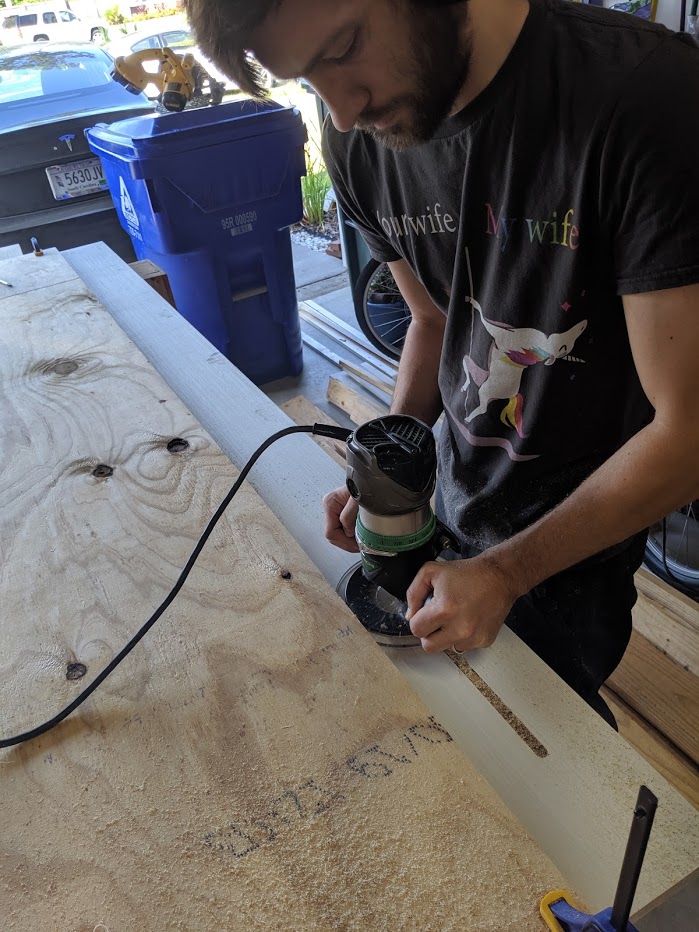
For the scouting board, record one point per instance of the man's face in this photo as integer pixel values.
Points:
(392, 68)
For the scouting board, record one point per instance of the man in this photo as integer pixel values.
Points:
(529, 172)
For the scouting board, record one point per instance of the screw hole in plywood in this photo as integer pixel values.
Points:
(285, 574)
(76, 671)
(503, 710)
(177, 445)
(103, 471)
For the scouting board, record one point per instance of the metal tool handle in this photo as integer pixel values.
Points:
(643, 816)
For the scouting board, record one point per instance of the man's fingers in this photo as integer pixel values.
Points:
(339, 521)
(426, 621)
(348, 517)
(419, 589)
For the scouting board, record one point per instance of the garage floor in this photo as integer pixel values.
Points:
(324, 279)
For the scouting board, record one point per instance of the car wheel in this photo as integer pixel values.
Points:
(41, 38)
(97, 36)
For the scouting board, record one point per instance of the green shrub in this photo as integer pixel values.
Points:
(156, 14)
(315, 187)
(113, 16)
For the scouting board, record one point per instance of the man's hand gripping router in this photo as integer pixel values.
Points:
(470, 599)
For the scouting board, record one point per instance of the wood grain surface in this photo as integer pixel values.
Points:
(256, 763)
(661, 691)
(654, 747)
(668, 619)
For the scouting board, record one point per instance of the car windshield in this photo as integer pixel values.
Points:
(44, 72)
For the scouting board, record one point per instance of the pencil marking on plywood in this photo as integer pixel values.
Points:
(309, 800)
(375, 761)
(243, 836)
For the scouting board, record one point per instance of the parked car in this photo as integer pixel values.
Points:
(48, 22)
(51, 185)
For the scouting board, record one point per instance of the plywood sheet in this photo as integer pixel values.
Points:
(576, 801)
(256, 763)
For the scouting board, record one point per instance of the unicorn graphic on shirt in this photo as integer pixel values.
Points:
(511, 353)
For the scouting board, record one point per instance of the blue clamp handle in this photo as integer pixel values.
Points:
(572, 920)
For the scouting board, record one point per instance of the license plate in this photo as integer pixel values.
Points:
(76, 179)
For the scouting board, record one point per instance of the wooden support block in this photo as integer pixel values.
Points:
(303, 411)
(655, 748)
(155, 277)
(357, 408)
(668, 619)
(660, 691)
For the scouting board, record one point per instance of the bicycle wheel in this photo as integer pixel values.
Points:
(672, 551)
(381, 311)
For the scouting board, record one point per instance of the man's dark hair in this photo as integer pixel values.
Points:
(223, 29)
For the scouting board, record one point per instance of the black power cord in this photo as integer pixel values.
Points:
(323, 430)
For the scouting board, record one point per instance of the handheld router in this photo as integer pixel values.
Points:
(391, 474)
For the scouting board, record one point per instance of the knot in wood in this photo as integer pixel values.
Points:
(103, 471)
(64, 367)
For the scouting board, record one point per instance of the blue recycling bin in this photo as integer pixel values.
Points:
(209, 195)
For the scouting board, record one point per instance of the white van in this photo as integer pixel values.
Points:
(47, 22)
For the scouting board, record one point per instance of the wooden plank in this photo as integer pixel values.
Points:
(256, 763)
(359, 372)
(303, 411)
(375, 361)
(10, 252)
(578, 800)
(352, 333)
(661, 691)
(654, 747)
(667, 619)
(357, 408)
(350, 336)
(575, 802)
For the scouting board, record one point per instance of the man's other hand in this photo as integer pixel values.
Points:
(340, 517)
(470, 601)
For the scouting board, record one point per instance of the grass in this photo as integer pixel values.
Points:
(315, 187)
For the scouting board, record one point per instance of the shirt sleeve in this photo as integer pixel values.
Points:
(649, 173)
(349, 173)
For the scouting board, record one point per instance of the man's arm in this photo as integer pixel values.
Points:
(416, 393)
(654, 473)
(417, 389)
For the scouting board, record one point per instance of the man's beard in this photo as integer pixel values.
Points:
(438, 66)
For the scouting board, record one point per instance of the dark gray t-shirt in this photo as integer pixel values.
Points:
(571, 180)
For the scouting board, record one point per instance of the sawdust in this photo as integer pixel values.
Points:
(500, 707)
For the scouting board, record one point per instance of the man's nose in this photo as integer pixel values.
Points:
(345, 105)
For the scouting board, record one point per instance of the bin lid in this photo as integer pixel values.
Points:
(161, 134)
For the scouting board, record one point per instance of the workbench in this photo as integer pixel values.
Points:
(258, 761)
